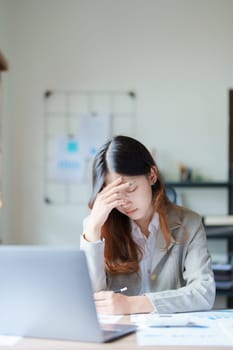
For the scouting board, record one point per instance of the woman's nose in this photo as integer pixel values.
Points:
(126, 203)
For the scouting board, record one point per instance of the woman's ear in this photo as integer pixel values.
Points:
(153, 175)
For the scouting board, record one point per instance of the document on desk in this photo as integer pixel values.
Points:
(212, 328)
(7, 340)
(111, 319)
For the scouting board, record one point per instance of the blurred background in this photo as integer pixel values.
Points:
(167, 63)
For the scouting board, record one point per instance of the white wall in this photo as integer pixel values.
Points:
(176, 54)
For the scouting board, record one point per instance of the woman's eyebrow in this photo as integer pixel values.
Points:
(132, 183)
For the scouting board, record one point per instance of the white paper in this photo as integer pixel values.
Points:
(73, 154)
(206, 329)
(94, 131)
(6, 340)
(110, 319)
(226, 325)
(184, 336)
(69, 163)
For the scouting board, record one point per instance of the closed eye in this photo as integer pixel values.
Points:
(132, 190)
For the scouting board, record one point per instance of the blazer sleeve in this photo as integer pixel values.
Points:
(198, 290)
(95, 259)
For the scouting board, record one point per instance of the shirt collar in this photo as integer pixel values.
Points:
(153, 226)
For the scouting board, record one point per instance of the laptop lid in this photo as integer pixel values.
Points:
(46, 292)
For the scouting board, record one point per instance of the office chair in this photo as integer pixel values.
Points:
(171, 193)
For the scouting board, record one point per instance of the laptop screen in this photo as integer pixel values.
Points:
(46, 292)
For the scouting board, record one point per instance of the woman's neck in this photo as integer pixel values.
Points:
(144, 223)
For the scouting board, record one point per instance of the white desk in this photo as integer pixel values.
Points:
(126, 343)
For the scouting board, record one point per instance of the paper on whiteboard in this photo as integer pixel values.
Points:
(72, 154)
(94, 131)
(68, 164)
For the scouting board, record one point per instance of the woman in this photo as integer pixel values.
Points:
(136, 238)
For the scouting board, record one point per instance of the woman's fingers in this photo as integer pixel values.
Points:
(115, 186)
(103, 295)
(103, 302)
(108, 302)
(112, 196)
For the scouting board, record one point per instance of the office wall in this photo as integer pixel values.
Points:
(175, 54)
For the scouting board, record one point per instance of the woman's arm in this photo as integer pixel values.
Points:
(110, 197)
(198, 292)
(95, 259)
(108, 302)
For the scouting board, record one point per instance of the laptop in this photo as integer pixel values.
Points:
(46, 292)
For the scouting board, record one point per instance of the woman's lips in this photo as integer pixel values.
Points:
(130, 212)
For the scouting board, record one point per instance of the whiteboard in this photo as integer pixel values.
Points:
(76, 124)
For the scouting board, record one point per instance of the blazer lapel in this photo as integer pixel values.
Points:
(159, 249)
(174, 222)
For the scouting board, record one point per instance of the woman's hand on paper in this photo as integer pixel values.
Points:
(111, 303)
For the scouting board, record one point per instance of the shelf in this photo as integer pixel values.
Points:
(226, 293)
(206, 184)
(223, 232)
(219, 232)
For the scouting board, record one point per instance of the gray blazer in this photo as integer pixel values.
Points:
(181, 277)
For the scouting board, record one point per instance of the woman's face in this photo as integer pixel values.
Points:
(138, 196)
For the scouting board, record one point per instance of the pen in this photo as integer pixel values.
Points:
(120, 290)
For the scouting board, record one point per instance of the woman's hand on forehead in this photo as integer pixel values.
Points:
(115, 186)
(114, 179)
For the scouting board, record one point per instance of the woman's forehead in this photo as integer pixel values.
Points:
(113, 176)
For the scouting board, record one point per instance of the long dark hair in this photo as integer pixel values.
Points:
(126, 156)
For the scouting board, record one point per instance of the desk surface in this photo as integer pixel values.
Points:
(126, 343)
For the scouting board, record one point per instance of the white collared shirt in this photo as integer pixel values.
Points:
(147, 244)
(95, 255)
